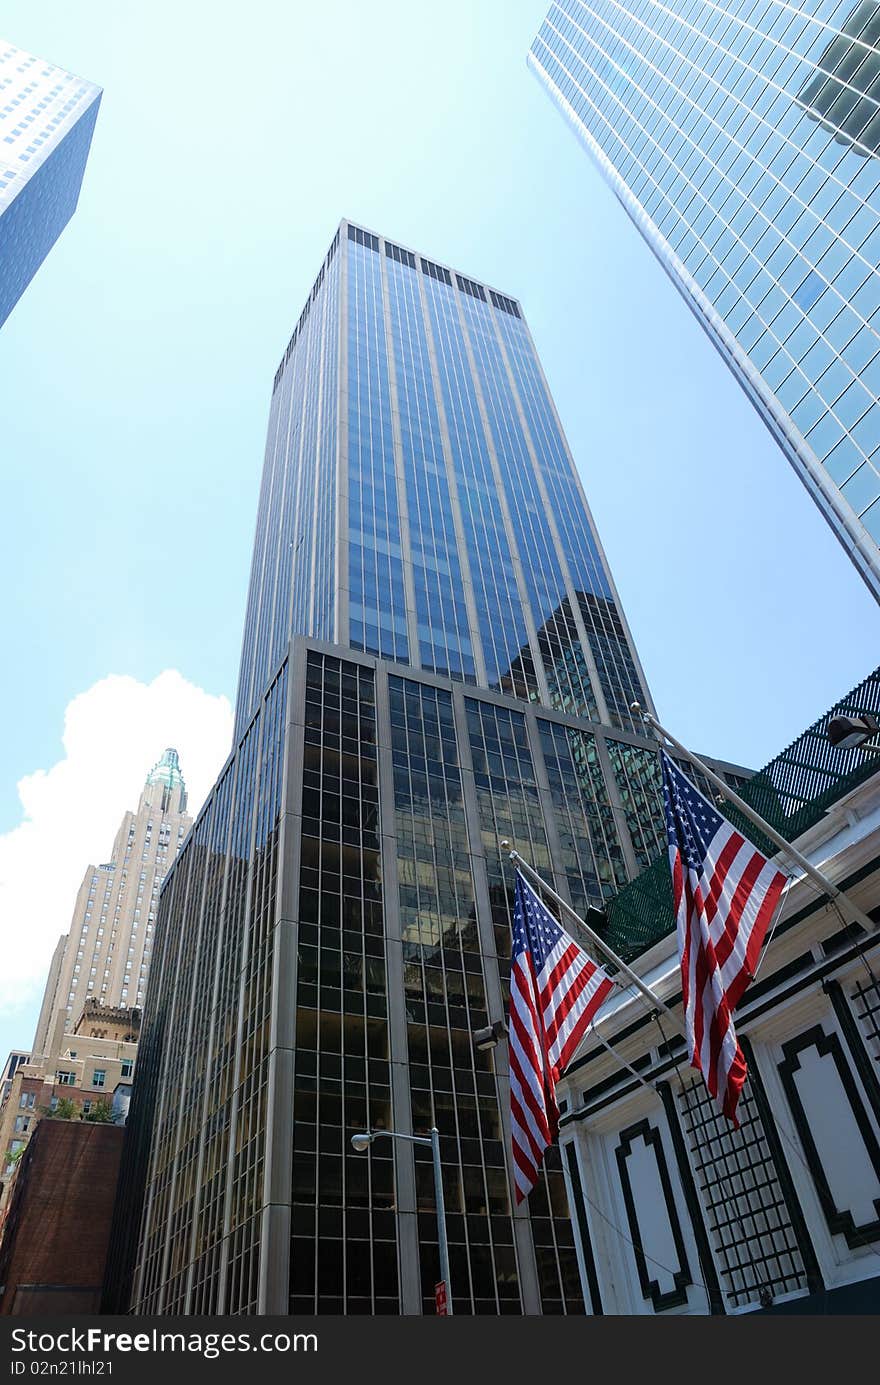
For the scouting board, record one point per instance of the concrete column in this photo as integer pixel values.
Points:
(401, 1108)
(274, 1279)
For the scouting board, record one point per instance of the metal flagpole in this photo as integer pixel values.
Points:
(617, 1057)
(826, 885)
(602, 946)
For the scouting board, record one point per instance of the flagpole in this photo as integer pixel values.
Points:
(598, 942)
(824, 884)
(617, 1057)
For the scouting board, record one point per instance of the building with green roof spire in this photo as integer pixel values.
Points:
(106, 954)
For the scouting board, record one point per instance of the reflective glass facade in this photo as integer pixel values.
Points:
(743, 138)
(419, 501)
(47, 117)
(335, 928)
(433, 661)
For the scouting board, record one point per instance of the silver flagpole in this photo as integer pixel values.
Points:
(597, 942)
(617, 1057)
(826, 885)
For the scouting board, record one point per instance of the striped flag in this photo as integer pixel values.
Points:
(725, 893)
(555, 990)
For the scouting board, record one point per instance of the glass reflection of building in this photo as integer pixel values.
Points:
(47, 117)
(433, 659)
(741, 139)
(845, 87)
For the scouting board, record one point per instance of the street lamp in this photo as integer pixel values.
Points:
(361, 1143)
(853, 733)
(491, 1036)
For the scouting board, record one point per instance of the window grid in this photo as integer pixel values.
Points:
(452, 1083)
(509, 807)
(591, 851)
(751, 1233)
(866, 1005)
(737, 139)
(343, 1245)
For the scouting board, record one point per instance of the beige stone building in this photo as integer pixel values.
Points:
(94, 1061)
(106, 954)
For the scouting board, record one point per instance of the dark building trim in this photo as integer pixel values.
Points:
(862, 1296)
(859, 1054)
(674, 1298)
(580, 1212)
(746, 1016)
(840, 1223)
(695, 1211)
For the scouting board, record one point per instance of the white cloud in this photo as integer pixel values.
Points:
(113, 734)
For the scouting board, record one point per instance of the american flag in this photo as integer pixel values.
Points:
(725, 893)
(555, 990)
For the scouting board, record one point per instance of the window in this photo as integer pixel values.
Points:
(65, 1079)
(86, 1107)
(26, 1100)
(127, 1067)
(98, 1077)
(22, 1123)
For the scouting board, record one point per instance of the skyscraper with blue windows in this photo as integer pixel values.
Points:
(419, 502)
(434, 659)
(47, 117)
(743, 141)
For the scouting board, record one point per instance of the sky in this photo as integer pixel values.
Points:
(136, 373)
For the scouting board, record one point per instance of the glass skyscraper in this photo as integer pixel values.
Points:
(743, 138)
(434, 659)
(419, 502)
(47, 117)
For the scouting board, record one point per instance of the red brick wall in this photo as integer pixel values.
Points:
(58, 1225)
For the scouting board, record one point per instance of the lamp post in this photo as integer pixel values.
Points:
(853, 732)
(361, 1144)
(491, 1036)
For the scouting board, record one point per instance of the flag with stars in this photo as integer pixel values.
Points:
(555, 990)
(725, 893)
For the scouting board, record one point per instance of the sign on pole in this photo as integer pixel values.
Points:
(440, 1297)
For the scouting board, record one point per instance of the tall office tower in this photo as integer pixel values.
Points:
(106, 955)
(434, 658)
(47, 117)
(743, 140)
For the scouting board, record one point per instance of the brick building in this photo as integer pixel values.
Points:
(58, 1224)
(83, 1067)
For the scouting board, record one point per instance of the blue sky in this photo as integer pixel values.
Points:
(136, 371)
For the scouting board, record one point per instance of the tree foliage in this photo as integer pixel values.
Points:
(101, 1112)
(65, 1110)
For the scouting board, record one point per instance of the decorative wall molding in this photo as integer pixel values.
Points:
(593, 1294)
(840, 1220)
(651, 1290)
